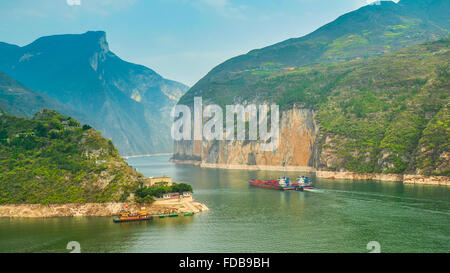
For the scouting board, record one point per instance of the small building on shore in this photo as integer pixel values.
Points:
(171, 195)
(163, 180)
(176, 195)
(187, 194)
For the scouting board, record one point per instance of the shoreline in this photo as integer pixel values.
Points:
(146, 155)
(258, 167)
(402, 178)
(186, 204)
(399, 178)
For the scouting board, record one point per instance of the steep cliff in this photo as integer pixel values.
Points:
(298, 133)
(388, 114)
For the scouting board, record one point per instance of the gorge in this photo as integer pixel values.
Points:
(357, 96)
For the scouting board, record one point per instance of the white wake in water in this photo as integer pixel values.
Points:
(314, 190)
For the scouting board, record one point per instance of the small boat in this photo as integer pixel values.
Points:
(188, 214)
(127, 216)
(303, 183)
(282, 183)
(173, 214)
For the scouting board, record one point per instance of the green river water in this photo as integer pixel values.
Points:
(339, 216)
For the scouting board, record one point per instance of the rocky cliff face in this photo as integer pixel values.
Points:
(298, 135)
(387, 114)
(302, 147)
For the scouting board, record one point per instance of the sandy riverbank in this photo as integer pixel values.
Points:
(100, 209)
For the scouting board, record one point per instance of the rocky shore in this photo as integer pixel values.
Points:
(258, 167)
(186, 162)
(100, 209)
(404, 178)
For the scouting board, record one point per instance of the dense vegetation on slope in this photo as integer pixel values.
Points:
(52, 159)
(391, 113)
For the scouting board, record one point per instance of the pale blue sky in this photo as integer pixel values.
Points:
(180, 39)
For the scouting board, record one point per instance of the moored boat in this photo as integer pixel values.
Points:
(127, 216)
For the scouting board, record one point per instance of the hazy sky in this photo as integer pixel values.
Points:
(180, 39)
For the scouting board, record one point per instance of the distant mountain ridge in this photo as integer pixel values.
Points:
(370, 31)
(130, 103)
(19, 100)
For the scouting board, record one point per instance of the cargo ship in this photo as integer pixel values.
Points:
(303, 183)
(126, 216)
(282, 183)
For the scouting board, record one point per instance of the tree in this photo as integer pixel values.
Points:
(41, 129)
(3, 136)
(86, 127)
(181, 187)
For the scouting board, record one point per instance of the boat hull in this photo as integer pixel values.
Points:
(302, 188)
(262, 184)
(132, 219)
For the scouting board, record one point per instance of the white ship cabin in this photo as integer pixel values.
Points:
(301, 180)
(283, 181)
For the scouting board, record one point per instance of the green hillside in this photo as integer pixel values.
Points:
(390, 114)
(385, 114)
(51, 158)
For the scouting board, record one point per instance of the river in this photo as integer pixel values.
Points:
(339, 216)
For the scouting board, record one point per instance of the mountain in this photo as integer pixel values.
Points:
(366, 93)
(129, 103)
(50, 159)
(18, 100)
(370, 31)
(387, 114)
